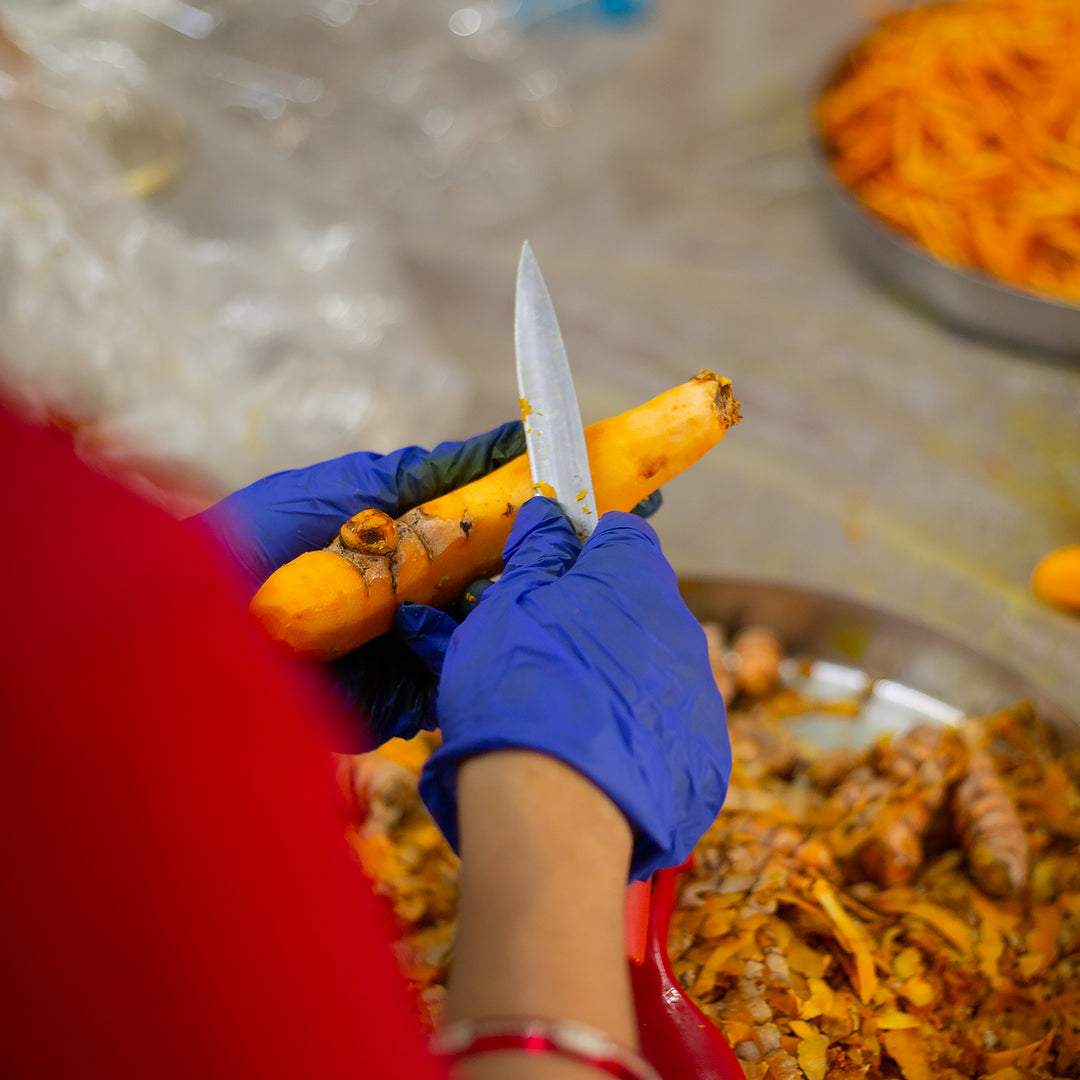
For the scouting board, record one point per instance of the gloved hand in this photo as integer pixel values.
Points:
(391, 681)
(590, 655)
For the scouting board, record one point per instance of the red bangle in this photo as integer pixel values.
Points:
(533, 1035)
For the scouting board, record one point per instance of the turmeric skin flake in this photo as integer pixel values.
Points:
(952, 929)
(811, 1055)
(957, 123)
(907, 1049)
(990, 942)
(853, 938)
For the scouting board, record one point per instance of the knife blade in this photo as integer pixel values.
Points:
(554, 436)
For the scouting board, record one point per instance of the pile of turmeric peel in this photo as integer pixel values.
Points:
(909, 910)
(958, 123)
(913, 910)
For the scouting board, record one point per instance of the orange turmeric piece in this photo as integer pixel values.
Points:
(1056, 578)
(958, 124)
(326, 603)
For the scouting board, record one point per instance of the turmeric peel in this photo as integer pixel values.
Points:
(805, 965)
(435, 550)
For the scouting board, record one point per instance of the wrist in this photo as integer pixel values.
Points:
(529, 800)
(568, 1048)
(545, 859)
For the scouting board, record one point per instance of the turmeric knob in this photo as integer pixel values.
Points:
(1057, 578)
(370, 532)
(760, 653)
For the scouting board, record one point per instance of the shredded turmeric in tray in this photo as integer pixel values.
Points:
(958, 123)
(909, 911)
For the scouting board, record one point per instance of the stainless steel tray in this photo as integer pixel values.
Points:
(964, 299)
(903, 671)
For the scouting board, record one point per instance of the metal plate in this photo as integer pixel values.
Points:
(903, 671)
(963, 299)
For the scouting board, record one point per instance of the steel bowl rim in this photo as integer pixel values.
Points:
(837, 600)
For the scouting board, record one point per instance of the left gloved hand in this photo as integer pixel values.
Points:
(393, 680)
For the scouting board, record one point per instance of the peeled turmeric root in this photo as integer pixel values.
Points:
(327, 603)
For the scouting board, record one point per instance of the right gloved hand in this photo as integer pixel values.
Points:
(589, 654)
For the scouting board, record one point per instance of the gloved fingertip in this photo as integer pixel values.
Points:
(649, 505)
(507, 442)
(473, 594)
(615, 523)
(426, 631)
(535, 510)
(542, 538)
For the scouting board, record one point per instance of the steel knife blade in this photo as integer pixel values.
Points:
(554, 436)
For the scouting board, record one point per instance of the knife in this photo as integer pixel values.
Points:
(554, 436)
(559, 463)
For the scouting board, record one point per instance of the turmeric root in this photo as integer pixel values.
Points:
(990, 828)
(893, 804)
(326, 603)
(1056, 578)
(759, 652)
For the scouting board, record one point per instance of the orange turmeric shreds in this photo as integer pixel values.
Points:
(959, 124)
(993, 836)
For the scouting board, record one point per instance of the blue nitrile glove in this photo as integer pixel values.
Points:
(391, 681)
(589, 654)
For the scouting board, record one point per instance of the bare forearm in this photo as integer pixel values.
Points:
(545, 857)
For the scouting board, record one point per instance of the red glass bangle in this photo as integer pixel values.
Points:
(533, 1035)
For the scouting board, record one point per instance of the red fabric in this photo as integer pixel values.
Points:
(178, 898)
